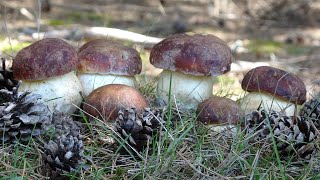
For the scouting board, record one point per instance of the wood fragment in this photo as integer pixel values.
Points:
(98, 32)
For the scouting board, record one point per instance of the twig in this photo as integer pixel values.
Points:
(242, 66)
(99, 32)
(120, 34)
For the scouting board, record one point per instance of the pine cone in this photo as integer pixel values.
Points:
(63, 125)
(138, 128)
(293, 135)
(64, 152)
(311, 110)
(21, 116)
(6, 77)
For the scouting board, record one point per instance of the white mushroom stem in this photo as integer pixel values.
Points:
(60, 93)
(188, 89)
(253, 100)
(91, 82)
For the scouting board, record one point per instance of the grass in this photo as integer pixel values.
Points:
(186, 149)
(268, 47)
(75, 17)
(12, 48)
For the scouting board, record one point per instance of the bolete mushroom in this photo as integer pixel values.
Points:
(46, 68)
(219, 114)
(272, 88)
(105, 62)
(105, 102)
(189, 62)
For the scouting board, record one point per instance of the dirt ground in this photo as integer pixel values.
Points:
(289, 41)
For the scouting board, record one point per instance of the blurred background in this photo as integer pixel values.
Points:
(281, 33)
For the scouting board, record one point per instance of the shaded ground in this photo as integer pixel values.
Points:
(291, 41)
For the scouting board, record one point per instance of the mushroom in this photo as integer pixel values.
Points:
(46, 68)
(106, 101)
(219, 114)
(272, 88)
(189, 62)
(105, 62)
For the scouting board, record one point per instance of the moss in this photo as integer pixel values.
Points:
(76, 17)
(297, 49)
(14, 48)
(263, 46)
(56, 22)
(144, 55)
(267, 47)
(90, 17)
(2, 38)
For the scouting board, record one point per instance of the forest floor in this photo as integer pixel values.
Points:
(292, 45)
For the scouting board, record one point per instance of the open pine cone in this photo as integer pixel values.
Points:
(21, 115)
(138, 128)
(64, 152)
(63, 125)
(293, 135)
(311, 110)
(6, 77)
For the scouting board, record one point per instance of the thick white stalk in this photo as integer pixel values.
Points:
(189, 90)
(60, 93)
(253, 100)
(91, 82)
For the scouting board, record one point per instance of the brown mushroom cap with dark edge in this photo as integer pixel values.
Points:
(44, 59)
(219, 111)
(103, 56)
(198, 55)
(109, 99)
(275, 82)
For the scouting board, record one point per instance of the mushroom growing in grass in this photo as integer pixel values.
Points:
(272, 88)
(105, 62)
(219, 114)
(46, 67)
(106, 101)
(188, 63)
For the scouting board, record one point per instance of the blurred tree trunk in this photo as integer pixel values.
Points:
(45, 5)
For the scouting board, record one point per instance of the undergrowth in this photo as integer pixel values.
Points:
(186, 149)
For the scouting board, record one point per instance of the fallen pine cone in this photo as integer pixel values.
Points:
(138, 128)
(64, 152)
(22, 116)
(294, 135)
(311, 110)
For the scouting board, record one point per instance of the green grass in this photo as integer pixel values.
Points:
(267, 47)
(186, 149)
(13, 48)
(190, 152)
(75, 17)
(57, 22)
(262, 46)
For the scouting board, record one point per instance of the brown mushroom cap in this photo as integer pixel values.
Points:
(43, 59)
(108, 57)
(219, 110)
(275, 82)
(109, 99)
(198, 55)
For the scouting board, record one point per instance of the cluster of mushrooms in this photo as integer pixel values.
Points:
(102, 72)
